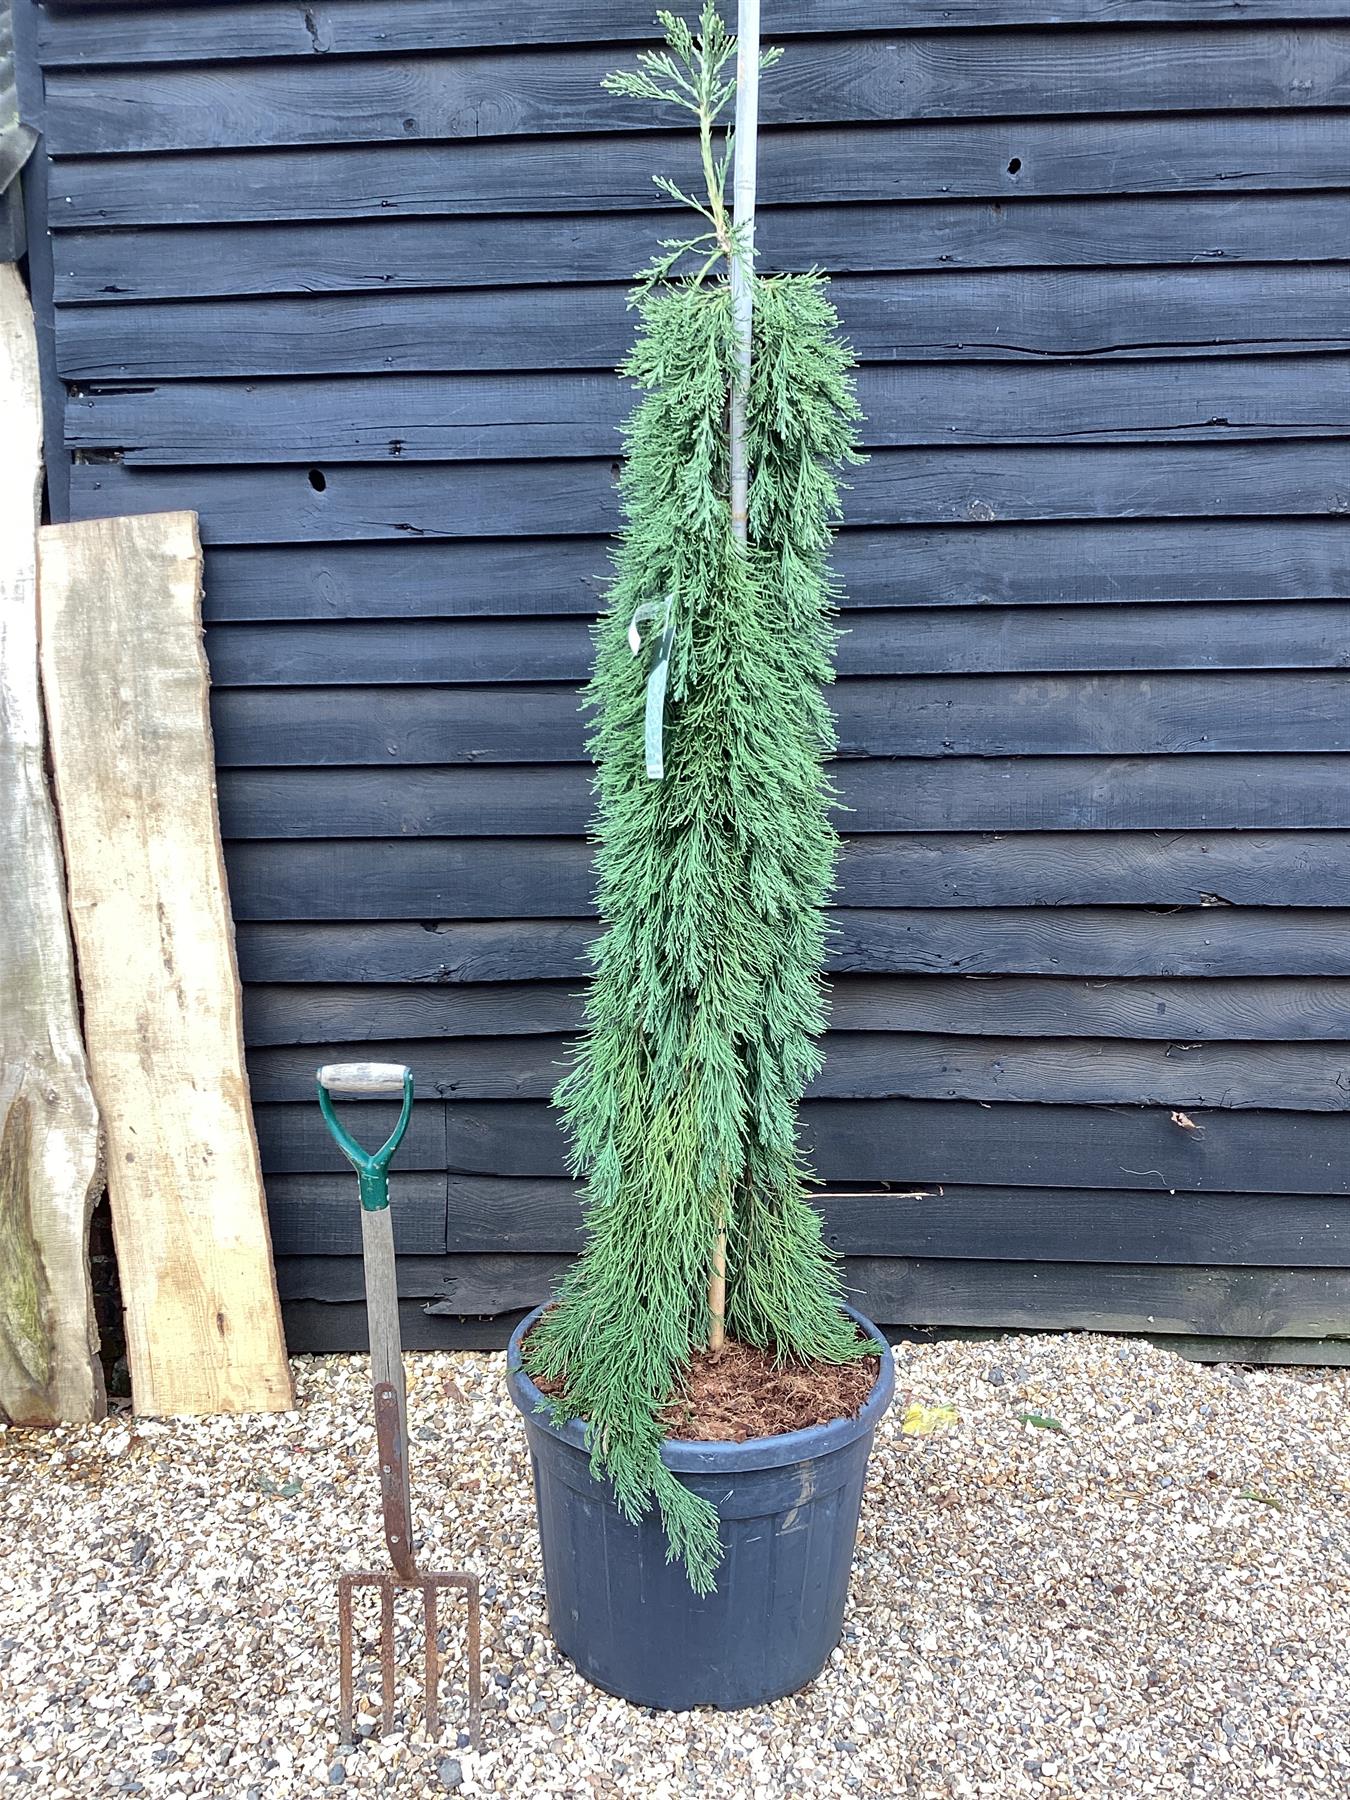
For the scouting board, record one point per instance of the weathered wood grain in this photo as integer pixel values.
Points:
(110, 33)
(51, 1169)
(980, 1223)
(1265, 1303)
(437, 878)
(1080, 1225)
(1236, 1009)
(385, 255)
(125, 685)
(293, 1138)
(984, 1223)
(1099, 941)
(973, 486)
(441, 96)
(1046, 1296)
(480, 1284)
(1000, 315)
(898, 1062)
(520, 416)
(910, 1143)
(917, 1143)
(319, 1215)
(1204, 941)
(907, 716)
(1033, 793)
(437, 953)
(318, 1327)
(915, 641)
(1096, 562)
(1202, 152)
(398, 878)
(282, 1013)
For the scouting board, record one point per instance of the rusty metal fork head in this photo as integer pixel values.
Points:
(427, 1585)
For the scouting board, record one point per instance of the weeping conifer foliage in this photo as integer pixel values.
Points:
(705, 1006)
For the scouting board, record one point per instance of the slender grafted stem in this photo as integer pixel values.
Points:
(742, 262)
(746, 145)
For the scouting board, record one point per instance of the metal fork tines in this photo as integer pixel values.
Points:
(389, 1584)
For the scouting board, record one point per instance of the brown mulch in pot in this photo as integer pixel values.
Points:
(739, 1392)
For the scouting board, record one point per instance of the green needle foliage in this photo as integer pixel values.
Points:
(705, 1006)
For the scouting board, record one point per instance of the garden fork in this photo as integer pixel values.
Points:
(391, 1416)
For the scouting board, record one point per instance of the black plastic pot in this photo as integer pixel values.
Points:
(630, 1621)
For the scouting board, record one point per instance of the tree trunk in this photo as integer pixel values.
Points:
(50, 1166)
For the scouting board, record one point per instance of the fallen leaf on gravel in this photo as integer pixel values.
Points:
(923, 1421)
(1042, 1422)
(284, 1490)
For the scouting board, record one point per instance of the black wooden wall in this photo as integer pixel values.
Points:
(348, 278)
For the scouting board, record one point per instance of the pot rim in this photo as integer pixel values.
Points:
(701, 1456)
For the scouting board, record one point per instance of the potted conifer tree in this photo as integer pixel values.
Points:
(684, 1567)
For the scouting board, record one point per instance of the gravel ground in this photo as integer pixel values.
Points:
(1147, 1592)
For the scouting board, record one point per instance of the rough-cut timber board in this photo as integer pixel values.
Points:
(49, 1132)
(126, 692)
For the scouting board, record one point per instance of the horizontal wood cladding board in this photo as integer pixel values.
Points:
(71, 35)
(1174, 1011)
(384, 255)
(545, 498)
(957, 794)
(1099, 562)
(1203, 712)
(891, 1065)
(440, 418)
(989, 160)
(443, 96)
(437, 878)
(322, 1328)
(547, 947)
(994, 1224)
(490, 1283)
(401, 878)
(1298, 1303)
(1098, 941)
(1078, 1225)
(915, 1142)
(916, 641)
(283, 1013)
(314, 1215)
(444, 1028)
(319, 1327)
(1001, 315)
(320, 1215)
(298, 1141)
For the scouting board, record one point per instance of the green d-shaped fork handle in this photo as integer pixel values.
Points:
(372, 1166)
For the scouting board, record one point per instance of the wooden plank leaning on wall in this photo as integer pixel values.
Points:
(126, 688)
(50, 1169)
